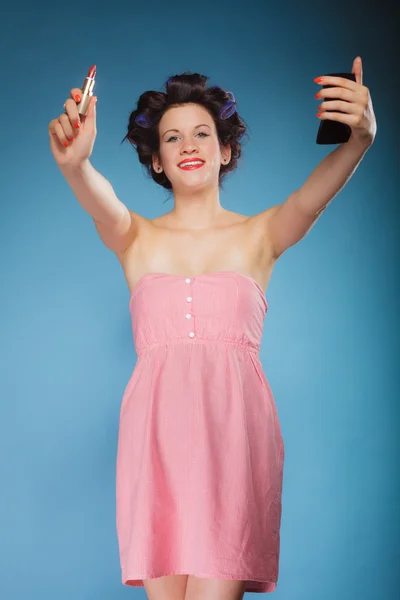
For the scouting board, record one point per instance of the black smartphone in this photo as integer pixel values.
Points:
(333, 132)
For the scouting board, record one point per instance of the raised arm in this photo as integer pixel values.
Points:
(71, 140)
(115, 224)
(286, 224)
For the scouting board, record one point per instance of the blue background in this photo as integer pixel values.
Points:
(330, 348)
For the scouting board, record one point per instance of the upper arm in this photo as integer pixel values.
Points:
(287, 223)
(119, 236)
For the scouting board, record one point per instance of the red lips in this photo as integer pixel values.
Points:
(189, 160)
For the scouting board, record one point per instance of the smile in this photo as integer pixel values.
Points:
(189, 166)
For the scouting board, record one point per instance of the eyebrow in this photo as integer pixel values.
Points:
(177, 130)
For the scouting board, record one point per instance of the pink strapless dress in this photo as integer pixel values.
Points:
(200, 450)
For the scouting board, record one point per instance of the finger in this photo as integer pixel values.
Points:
(57, 132)
(350, 108)
(348, 119)
(336, 92)
(66, 124)
(337, 81)
(71, 110)
(357, 70)
(76, 94)
(52, 125)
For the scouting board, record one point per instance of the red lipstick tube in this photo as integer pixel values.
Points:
(87, 91)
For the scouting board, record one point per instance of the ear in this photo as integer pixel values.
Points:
(226, 153)
(157, 163)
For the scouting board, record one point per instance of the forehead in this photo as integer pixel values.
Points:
(185, 116)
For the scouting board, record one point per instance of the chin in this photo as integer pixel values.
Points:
(193, 180)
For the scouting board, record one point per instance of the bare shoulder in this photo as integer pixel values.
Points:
(122, 236)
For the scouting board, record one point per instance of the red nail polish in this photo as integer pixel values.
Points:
(319, 114)
(77, 125)
(318, 79)
(317, 95)
(65, 144)
(78, 98)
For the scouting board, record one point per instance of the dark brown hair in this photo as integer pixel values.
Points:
(183, 89)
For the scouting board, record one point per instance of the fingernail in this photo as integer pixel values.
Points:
(77, 125)
(77, 98)
(65, 144)
(318, 79)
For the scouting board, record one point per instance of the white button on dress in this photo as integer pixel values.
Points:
(189, 299)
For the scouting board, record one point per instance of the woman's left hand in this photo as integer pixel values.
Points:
(354, 102)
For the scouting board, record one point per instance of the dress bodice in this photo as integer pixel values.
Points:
(224, 306)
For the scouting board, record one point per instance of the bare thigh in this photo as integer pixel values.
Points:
(170, 587)
(214, 589)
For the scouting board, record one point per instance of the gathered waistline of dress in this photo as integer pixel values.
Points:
(145, 348)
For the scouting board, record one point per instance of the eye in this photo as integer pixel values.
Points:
(174, 137)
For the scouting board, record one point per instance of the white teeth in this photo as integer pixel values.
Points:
(193, 162)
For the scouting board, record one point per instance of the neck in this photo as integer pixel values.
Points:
(199, 210)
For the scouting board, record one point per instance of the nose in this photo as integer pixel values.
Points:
(188, 147)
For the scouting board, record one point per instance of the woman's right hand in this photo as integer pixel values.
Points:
(72, 135)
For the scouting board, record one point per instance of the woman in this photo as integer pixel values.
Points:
(200, 451)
